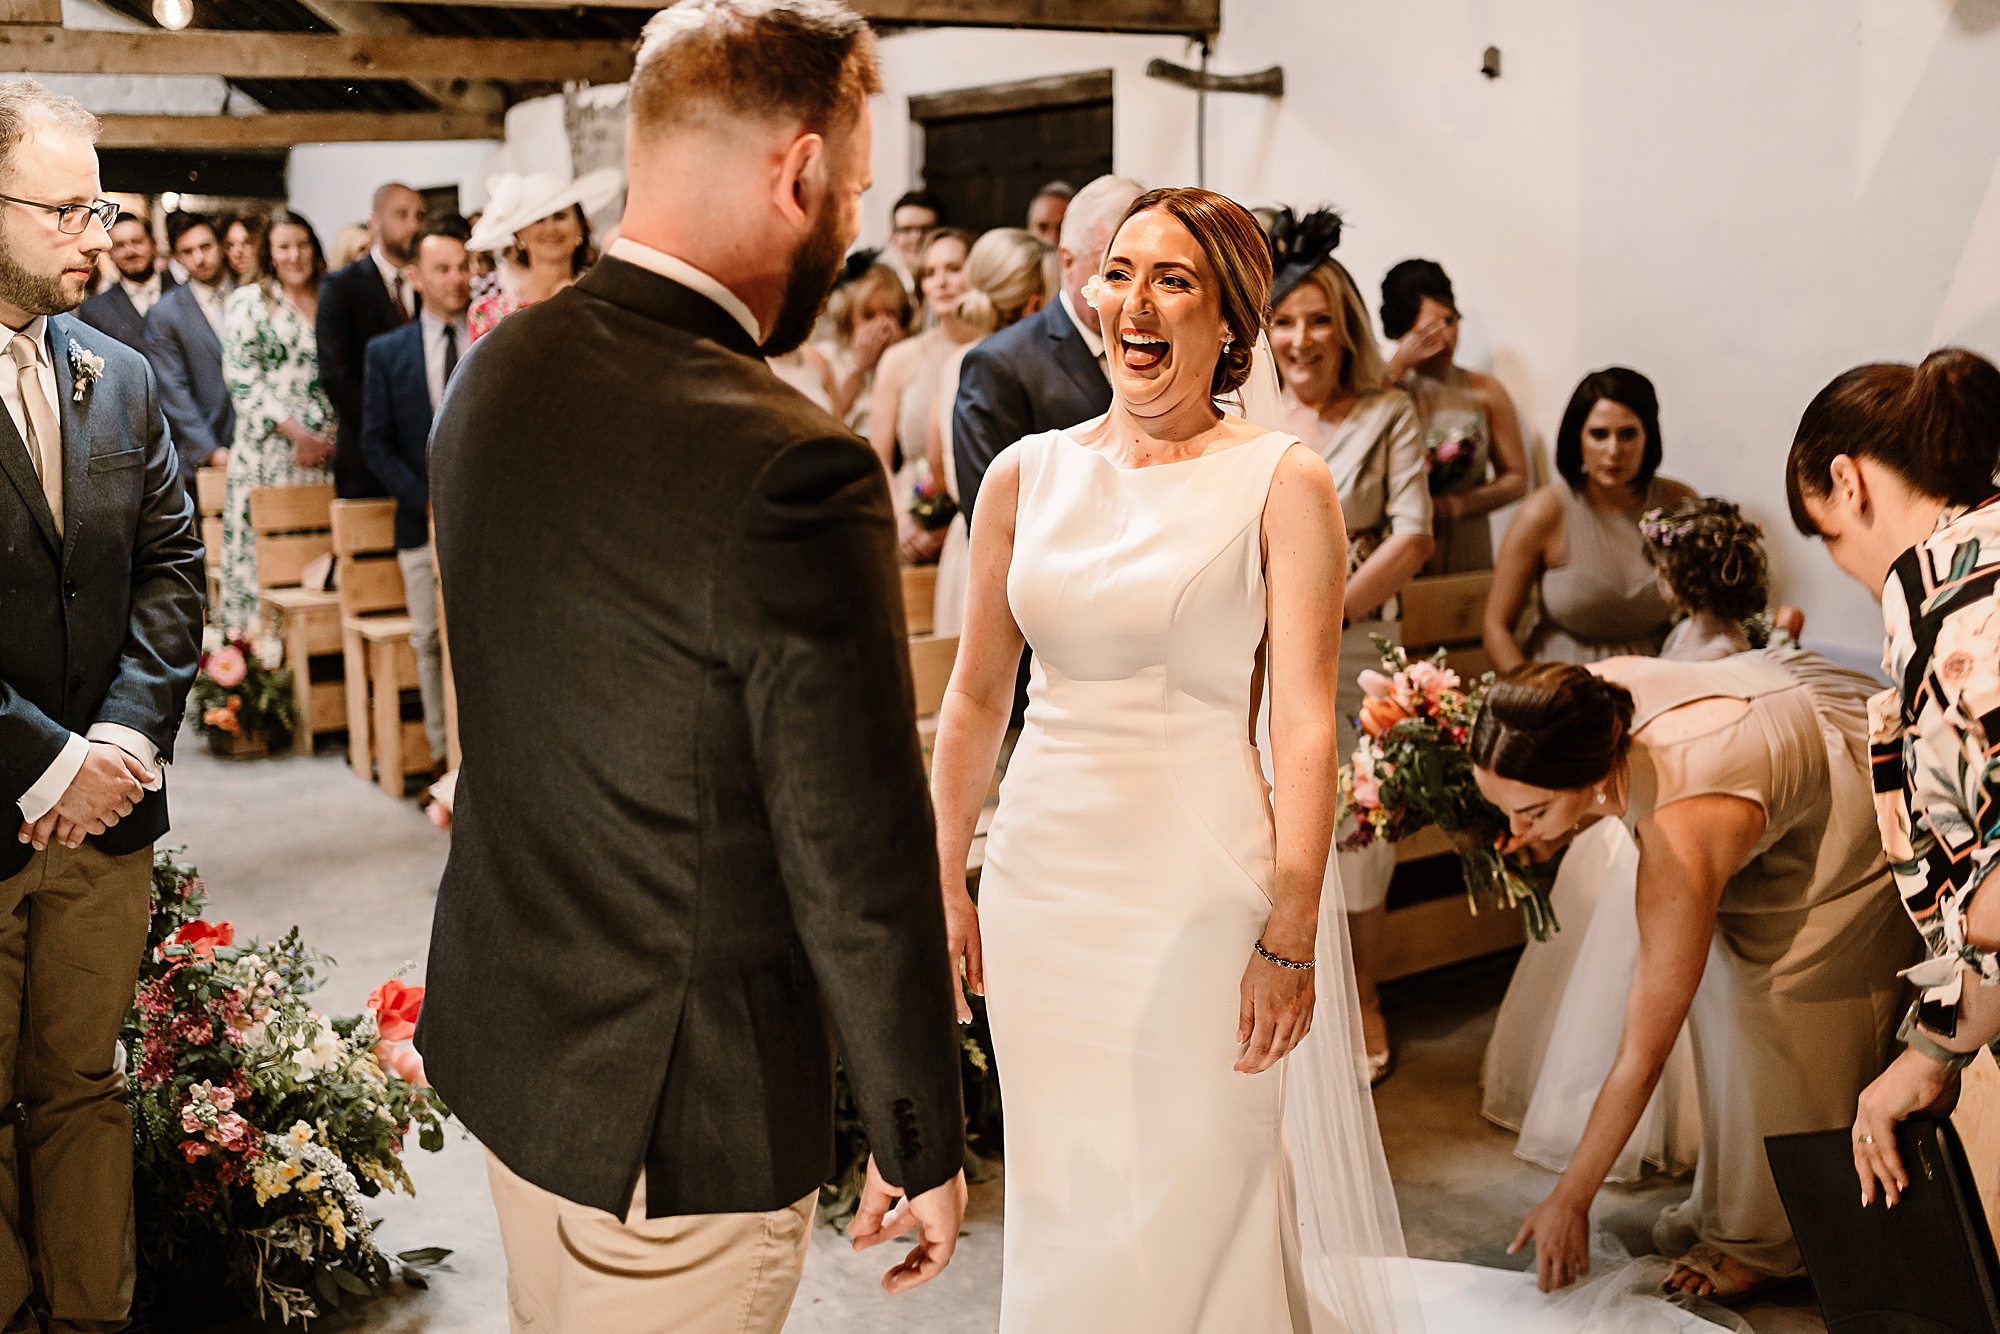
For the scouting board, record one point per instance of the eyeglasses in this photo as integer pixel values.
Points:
(71, 219)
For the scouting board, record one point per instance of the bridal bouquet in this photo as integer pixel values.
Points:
(261, 1125)
(1410, 769)
(242, 694)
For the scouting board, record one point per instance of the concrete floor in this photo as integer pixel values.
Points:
(287, 841)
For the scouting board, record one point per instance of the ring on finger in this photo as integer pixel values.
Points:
(1867, 1139)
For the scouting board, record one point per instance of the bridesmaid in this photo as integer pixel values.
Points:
(906, 381)
(1470, 431)
(1578, 543)
(1761, 882)
(1335, 400)
(1893, 469)
(284, 420)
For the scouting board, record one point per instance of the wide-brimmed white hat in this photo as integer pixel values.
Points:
(515, 199)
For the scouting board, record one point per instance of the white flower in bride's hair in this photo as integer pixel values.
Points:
(1093, 287)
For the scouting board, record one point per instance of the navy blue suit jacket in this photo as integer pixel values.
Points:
(187, 357)
(112, 311)
(101, 624)
(1036, 376)
(396, 427)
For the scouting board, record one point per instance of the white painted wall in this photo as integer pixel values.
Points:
(1740, 198)
(332, 184)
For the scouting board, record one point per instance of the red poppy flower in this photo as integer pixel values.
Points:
(396, 1005)
(202, 937)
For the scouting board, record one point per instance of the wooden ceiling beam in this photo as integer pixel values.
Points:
(44, 49)
(284, 129)
(1185, 17)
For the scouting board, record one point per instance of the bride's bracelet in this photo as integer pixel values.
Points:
(1269, 957)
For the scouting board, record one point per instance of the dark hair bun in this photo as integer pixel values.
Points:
(1552, 725)
(1404, 288)
(1712, 557)
(1952, 415)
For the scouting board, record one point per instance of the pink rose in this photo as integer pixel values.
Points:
(226, 666)
(1431, 680)
(1447, 451)
(1367, 792)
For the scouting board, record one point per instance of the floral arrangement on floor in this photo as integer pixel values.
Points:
(1451, 456)
(242, 691)
(841, 1195)
(261, 1125)
(1411, 769)
(930, 504)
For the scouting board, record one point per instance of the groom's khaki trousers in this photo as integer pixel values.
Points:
(572, 1269)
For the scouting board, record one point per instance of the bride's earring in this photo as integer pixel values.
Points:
(1228, 340)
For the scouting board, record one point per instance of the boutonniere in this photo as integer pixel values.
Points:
(84, 366)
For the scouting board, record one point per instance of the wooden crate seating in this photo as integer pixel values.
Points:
(1443, 611)
(375, 644)
(211, 494)
(919, 598)
(292, 527)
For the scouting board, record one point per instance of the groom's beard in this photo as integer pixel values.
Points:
(36, 293)
(806, 288)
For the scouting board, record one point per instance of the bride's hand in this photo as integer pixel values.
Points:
(1561, 1233)
(961, 926)
(1277, 1011)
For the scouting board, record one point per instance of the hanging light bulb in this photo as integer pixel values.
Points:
(173, 15)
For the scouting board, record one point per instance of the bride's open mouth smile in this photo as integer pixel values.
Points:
(1142, 351)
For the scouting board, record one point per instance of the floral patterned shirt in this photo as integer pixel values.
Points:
(1935, 740)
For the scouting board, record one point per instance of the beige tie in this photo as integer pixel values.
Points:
(44, 435)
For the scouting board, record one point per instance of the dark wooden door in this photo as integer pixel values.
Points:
(987, 167)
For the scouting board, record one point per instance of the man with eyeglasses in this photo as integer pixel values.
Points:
(184, 343)
(100, 628)
(916, 214)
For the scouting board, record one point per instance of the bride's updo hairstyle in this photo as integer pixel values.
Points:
(1240, 257)
(1552, 725)
(1935, 425)
(1004, 272)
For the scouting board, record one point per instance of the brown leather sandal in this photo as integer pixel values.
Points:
(1706, 1262)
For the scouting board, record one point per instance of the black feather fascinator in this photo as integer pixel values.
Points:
(1300, 245)
(856, 264)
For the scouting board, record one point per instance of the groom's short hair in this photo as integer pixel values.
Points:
(24, 102)
(702, 63)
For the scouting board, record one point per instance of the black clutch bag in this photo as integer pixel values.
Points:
(1925, 1267)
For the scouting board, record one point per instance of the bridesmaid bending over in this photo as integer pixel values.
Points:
(1766, 920)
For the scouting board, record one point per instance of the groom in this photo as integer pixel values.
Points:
(692, 848)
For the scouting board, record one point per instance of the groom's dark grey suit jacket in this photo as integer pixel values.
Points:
(691, 848)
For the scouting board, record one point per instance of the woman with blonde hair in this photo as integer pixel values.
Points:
(1007, 278)
(868, 313)
(1335, 400)
(906, 382)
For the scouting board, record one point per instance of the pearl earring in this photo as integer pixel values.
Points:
(1228, 340)
(1600, 798)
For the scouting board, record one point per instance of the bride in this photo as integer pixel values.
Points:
(1191, 1147)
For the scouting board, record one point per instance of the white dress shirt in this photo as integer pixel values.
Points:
(1092, 339)
(393, 279)
(687, 275)
(434, 328)
(46, 791)
(143, 295)
(213, 298)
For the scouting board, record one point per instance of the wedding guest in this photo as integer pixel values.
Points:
(366, 297)
(1046, 209)
(1715, 576)
(1148, 930)
(1007, 278)
(120, 309)
(349, 244)
(284, 416)
(1336, 400)
(1577, 543)
(915, 215)
(906, 386)
(868, 313)
(805, 369)
(728, 865)
(1766, 921)
(1470, 431)
(183, 343)
(407, 370)
(537, 227)
(242, 239)
(101, 605)
(1892, 467)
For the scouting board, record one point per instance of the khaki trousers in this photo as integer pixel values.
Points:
(572, 1269)
(72, 931)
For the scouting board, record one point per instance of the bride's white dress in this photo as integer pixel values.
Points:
(1127, 876)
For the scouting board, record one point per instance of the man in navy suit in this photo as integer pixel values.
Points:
(183, 341)
(368, 298)
(1048, 371)
(100, 627)
(121, 308)
(403, 382)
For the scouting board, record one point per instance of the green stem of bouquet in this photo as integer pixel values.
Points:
(1492, 877)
